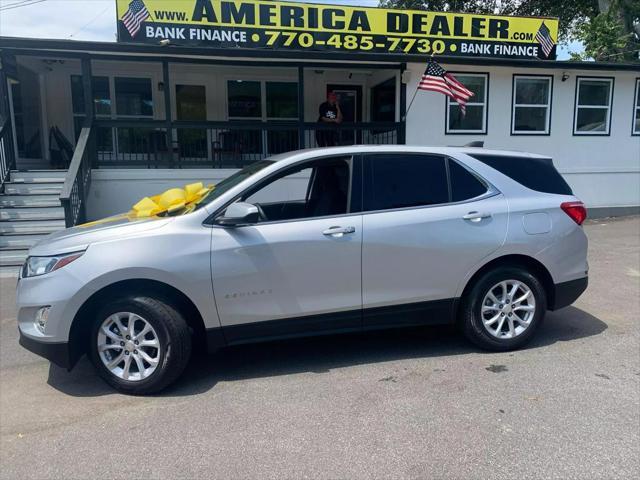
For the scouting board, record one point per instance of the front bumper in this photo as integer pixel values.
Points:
(568, 292)
(57, 353)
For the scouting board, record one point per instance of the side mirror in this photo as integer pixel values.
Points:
(239, 213)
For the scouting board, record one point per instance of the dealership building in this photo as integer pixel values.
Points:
(207, 87)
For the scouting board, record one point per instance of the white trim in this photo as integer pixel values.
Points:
(607, 107)
(484, 105)
(636, 109)
(547, 106)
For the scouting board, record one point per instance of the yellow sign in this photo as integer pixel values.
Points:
(260, 24)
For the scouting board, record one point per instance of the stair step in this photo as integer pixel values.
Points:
(29, 201)
(31, 213)
(33, 188)
(18, 242)
(38, 176)
(31, 227)
(13, 258)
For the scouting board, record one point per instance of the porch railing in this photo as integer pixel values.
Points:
(78, 179)
(148, 144)
(7, 154)
(233, 144)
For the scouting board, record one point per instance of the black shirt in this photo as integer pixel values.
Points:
(328, 111)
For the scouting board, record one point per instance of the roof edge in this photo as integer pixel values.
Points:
(81, 48)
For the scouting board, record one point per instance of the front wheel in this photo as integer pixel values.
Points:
(503, 309)
(140, 345)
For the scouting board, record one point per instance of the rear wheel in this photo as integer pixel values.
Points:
(503, 309)
(140, 345)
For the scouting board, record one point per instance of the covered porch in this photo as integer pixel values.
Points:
(189, 112)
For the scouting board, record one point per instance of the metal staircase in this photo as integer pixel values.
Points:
(30, 209)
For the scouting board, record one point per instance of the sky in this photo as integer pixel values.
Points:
(96, 19)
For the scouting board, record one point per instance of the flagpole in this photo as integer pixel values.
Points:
(406, 113)
(411, 102)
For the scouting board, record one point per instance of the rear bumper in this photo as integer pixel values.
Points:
(57, 353)
(568, 292)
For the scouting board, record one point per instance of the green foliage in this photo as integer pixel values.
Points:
(603, 37)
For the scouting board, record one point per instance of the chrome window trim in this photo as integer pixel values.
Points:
(492, 191)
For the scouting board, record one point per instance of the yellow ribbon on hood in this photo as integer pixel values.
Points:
(170, 202)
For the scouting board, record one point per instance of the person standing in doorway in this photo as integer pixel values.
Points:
(329, 114)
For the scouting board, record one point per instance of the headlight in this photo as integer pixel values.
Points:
(35, 266)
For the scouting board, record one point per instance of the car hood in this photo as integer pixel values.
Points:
(81, 236)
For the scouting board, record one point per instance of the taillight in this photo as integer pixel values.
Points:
(575, 210)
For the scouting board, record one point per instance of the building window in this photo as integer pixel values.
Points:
(101, 105)
(133, 97)
(383, 101)
(593, 106)
(282, 100)
(101, 95)
(475, 120)
(636, 110)
(531, 109)
(244, 99)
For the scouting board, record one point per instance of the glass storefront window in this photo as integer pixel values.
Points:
(244, 99)
(282, 100)
(133, 97)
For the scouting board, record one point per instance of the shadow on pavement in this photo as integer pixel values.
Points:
(321, 354)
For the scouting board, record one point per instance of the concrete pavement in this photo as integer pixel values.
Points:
(397, 404)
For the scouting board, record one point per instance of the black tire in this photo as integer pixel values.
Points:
(470, 312)
(172, 331)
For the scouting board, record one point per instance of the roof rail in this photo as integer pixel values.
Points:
(475, 143)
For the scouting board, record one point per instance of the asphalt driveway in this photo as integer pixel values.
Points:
(399, 404)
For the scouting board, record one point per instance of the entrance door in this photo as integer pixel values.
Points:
(350, 101)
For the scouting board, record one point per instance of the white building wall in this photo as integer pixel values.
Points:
(604, 171)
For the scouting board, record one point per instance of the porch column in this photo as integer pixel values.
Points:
(87, 87)
(167, 109)
(301, 143)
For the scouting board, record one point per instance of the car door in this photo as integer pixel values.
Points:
(292, 276)
(427, 221)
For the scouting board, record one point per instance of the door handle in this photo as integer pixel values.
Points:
(338, 231)
(476, 216)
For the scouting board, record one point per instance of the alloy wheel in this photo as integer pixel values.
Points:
(128, 346)
(508, 309)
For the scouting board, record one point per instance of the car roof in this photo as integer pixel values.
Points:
(298, 155)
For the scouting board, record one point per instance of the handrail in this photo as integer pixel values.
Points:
(77, 180)
(139, 123)
(7, 155)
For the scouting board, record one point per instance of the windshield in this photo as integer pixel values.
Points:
(230, 182)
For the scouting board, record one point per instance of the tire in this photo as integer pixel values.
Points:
(473, 316)
(159, 356)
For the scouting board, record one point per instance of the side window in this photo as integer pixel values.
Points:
(464, 184)
(405, 180)
(315, 189)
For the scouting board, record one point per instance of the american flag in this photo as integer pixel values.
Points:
(543, 37)
(436, 79)
(136, 14)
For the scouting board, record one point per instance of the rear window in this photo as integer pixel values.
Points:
(538, 174)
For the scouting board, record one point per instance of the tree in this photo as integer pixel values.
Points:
(608, 29)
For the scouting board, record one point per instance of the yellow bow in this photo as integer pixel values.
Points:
(170, 201)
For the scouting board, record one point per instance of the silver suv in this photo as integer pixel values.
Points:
(307, 243)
